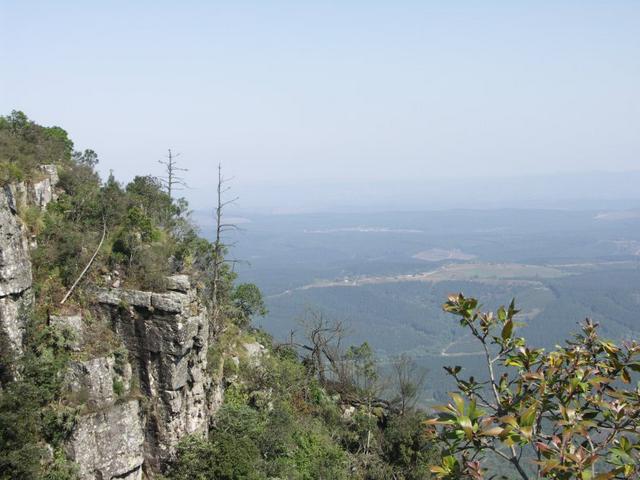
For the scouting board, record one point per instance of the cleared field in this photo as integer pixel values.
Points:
(495, 271)
(511, 273)
(440, 254)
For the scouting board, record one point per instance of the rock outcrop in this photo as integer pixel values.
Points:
(107, 441)
(108, 444)
(99, 382)
(15, 264)
(166, 335)
(139, 393)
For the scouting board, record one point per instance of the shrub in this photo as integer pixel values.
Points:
(29, 414)
(226, 457)
(561, 414)
(118, 387)
(10, 172)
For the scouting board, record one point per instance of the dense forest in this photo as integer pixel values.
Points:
(312, 407)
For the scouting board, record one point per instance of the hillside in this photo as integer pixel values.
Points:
(127, 349)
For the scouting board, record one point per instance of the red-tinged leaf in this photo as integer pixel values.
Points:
(436, 469)
(609, 347)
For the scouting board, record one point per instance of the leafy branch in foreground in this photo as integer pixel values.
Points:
(569, 413)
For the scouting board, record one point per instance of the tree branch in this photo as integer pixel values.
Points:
(75, 284)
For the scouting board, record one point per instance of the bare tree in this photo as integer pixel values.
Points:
(351, 372)
(219, 246)
(172, 180)
(324, 344)
(408, 380)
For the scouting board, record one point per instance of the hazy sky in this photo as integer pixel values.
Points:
(288, 92)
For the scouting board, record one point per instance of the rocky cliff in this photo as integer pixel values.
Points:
(150, 391)
(166, 337)
(138, 375)
(16, 280)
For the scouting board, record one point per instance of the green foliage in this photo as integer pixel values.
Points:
(60, 468)
(561, 414)
(118, 387)
(147, 194)
(24, 146)
(87, 158)
(407, 447)
(364, 371)
(248, 302)
(29, 413)
(227, 457)
(149, 236)
(10, 172)
(298, 430)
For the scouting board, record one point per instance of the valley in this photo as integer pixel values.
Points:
(560, 266)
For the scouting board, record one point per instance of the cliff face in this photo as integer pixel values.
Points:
(108, 440)
(15, 273)
(16, 296)
(166, 336)
(143, 398)
(138, 374)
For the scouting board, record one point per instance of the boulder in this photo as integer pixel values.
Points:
(179, 283)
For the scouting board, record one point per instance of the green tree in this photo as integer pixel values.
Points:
(227, 457)
(25, 146)
(248, 302)
(147, 193)
(407, 448)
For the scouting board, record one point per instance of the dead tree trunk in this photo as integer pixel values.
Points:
(172, 179)
(219, 248)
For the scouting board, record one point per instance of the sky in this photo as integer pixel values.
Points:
(333, 96)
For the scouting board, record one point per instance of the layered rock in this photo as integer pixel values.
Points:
(15, 264)
(15, 273)
(99, 382)
(107, 441)
(166, 335)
